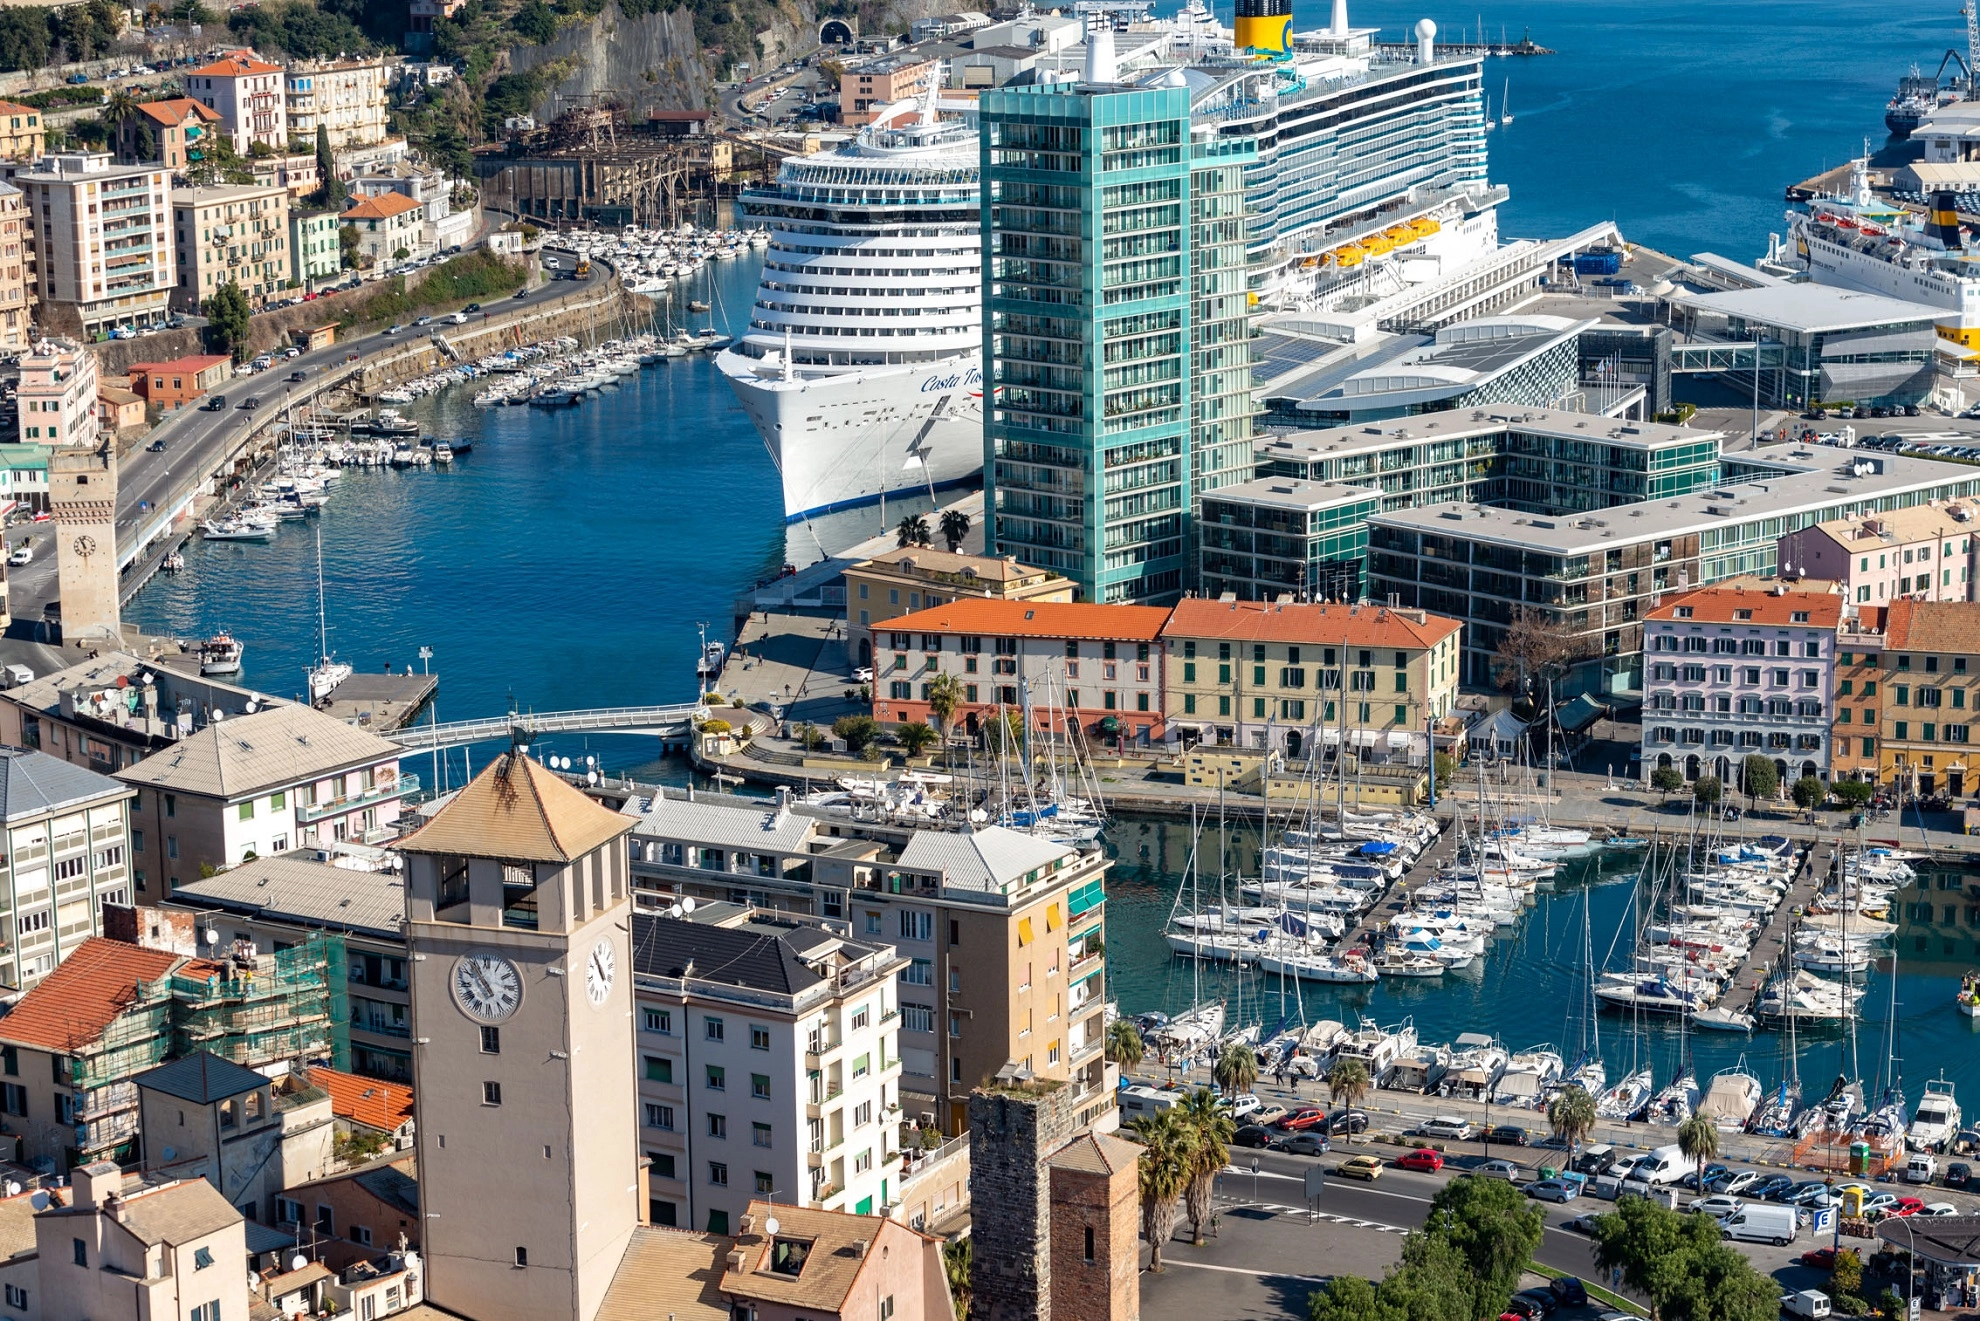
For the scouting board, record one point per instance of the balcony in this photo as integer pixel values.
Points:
(404, 784)
(383, 1027)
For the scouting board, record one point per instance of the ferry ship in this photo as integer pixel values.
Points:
(862, 365)
(1860, 242)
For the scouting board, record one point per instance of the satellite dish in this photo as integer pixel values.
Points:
(13, 1188)
(212, 936)
(770, 1226)
(39, 1201)
(687, 904)
(146, 679)
(167, 1155)
(673, 910)
(298, 1261)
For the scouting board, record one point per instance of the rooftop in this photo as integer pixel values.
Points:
(674, 1273)
(989, 860)
(518, 811)
(1724, 604)
(1831, 480)
(233, 65)
(381, 206)
(192, 363)
(1341, 625)
(286, 888)
(923, 560)
(223, 193)
(17, 1226)
(1293, 493)
(368, 1101)
(1462, 423)
(782, 958)
(1096, 1153)
(1948, 626)
(1415, 370)
(34, 784)
(68, 1009)
(202, 1078)
(1810, 309)
(1036, 619)
(1918, 523)
(836, 1247)
(176, 110)
(722, 825)
(275, 747)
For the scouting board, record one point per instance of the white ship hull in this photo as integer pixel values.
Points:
(848, 438)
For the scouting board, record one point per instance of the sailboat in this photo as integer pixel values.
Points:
(1490, 122)
(1505, 104)
(326, 674)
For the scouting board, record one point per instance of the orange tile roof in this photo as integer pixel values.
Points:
(1948, 626)
(1319, 624)
(194, 363)
(234, 64)
(68, 1009)
(176, 110)
(382, 207)
(16, 108)
(1718, 605)
(1035, 619)
(368, 1101)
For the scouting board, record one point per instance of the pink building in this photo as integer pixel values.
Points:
(250, 96)
(1924, 553)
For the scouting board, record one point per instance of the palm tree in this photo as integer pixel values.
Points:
(1698, 1139)
(945, 694)
(912, 531)
(1236, 1068)
(1211, 1130)
(1164, 1169)
(1347, 1080)
(915, 737)
(1124, 1045)
(955, 526)
(957, 1261)
(1572, 1115)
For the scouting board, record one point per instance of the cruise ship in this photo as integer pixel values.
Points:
(862, 367)
(1861, 242)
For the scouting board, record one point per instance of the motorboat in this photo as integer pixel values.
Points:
(1350, 968)
(1419, 1070)
(1936, 1120)
(229, 529)
(1730, 1098)
(1677, 1102)
(1528, 1076)
(1477, 1063)
(1626, 1097)
(1721, 1019)
(1968, 999)
(1378, 1048)
(221, 654)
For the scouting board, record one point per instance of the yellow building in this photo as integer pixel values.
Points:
(16, 271)
(917, 578)
(1931, 683)
(1253, 674)
(23, 137)
(237, 233)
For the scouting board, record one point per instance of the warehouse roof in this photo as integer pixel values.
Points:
(1811, 309)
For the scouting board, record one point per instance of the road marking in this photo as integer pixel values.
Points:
(1239, 1270)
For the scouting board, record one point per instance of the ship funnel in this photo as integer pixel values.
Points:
(1943, 223)
(1339, 27)
(1426, 41)
(1100, 50)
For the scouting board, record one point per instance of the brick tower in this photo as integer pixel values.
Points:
(1096, 1229)
(82, 496)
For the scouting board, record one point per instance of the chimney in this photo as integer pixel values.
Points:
(96, 1184)
(1100, 67)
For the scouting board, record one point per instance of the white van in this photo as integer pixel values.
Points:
(1140, 1101)
(1664, 1165)
(1759, 1222)
(1811, 1304)
(1920, 1167)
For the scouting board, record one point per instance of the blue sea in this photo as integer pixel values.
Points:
(572, 558)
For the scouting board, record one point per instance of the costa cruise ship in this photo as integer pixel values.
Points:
(862, 367)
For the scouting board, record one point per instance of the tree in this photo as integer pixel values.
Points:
(1124, 1045)
(945, 694)
(1537, 646)
(957, 1262)
(1853, 794)
(1495, 1227)
(1163, 1170)
(1211, 1131)
(1698, 1139)
(856, 730)
(912, 531)
(535, 22)
(1707, 789)
(144, 143)
(1347, 1080)
(1236, 1068)
(955, 526)
(1430, 1283)
(348, 256)
(331, 191)
(1809, 792)
(1680, 1263)
(1447, 769)
(1667, 779)
(227, 317)
(1758, 777)
(1571, 1114)
(1846, 1280)
(914, 737)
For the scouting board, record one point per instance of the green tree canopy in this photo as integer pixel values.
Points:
(1758, 777)
(1667, 779)
(534, 21)
(1681, 1263)
(1853, 794)
(1495, 1227)
(1809, 792)
(1707, 789)
(227, 317)
(856, 730)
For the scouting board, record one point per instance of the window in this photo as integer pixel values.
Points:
(759, 1037)
(247, 810)
(361, 1234)
(718, 1078)
(491, 1041)
(659, 1070)
(81, 1252)
(718, 1126)
(1089, 1243)
(522, 1256)
(918, 1018)
(759, 1086)
(759, 1135)
(919, 972)
(860, 1018)
(14, 1100)
(659, 1020)
(718, 1173)
(712, 1027)
(202, 1258)
(17, 1297)
(206, 1311)
(491, 1093)
(660, 1116)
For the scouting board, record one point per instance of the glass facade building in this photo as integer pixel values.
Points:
(1274, 536)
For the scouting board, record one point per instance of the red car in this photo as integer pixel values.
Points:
(1906, 1206)
(1822, 1259)
(1421, 1159)
(1305, 1117)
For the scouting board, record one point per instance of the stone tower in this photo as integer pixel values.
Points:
(1012, 1130)
(1096, 1229)
(82, 496)
(518, 907)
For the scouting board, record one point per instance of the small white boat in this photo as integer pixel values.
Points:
(1721, 1019)
(221, 654)
(231, 530)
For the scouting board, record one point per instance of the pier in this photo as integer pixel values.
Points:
(1817, 862)
(1395, 898)
(381, 703)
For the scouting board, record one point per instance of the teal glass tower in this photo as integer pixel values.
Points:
(1099, 305)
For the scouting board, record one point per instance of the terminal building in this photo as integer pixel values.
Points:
(1829, 345)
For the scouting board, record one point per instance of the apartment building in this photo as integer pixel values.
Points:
(57, 394)
(223, 235)
(902, 582)
(250, 97)
(1924, 552)
(180, 131)
(16, 270)
(270, 780)
(1297, 678)
(1097, 668)
(67, 855)
(879, 82)
(277, 901)
(23, 137)
(1283, 535)
(346, 98)
(314, 247)
(170, 386)
(1738, 669)
(102, 239)
(123, 1251)
(1931, 662)
(1855, 736)
(1002, 932)
(387, 225)
(770, 1067)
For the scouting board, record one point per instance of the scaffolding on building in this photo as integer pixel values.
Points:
(259, 1009)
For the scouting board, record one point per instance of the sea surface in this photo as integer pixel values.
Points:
(571, 559)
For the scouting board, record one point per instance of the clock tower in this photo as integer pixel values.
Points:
(518, 910)
(82, 496)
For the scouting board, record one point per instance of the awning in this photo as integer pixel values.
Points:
(1502, 729)
(1399, 739)
(1333, 738)
(1109, 725)
(1364, 738)
(1579, 714)
(1377, 848)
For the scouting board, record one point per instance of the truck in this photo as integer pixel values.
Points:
(583, 271)
(1139, 1101)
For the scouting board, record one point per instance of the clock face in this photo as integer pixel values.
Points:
(85, 545)
(598, 969)
(487, 986)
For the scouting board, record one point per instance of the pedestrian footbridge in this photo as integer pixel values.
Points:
(526, 727)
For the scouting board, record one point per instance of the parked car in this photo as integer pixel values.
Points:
(1303, 1118)
(1269, 1113)
(1715, 1206)
(1347, 1121)
(1252, 1135)
(1712, 1172)
(1535, 1302)
(1940, 1209)
(1821, 1259)
(1445, 1126)
(1422, 1159)
(1809, 1192)
(1877, 1204)
(1497, 1169)
(1551, 1190)
(1771, 1186)
(1583, 1223)
(1360, 1167)
(1568, 1291)
(1507, 1135)
(23, 554)
(1906, 1206)
(1303, 1144)
(1958, 1174)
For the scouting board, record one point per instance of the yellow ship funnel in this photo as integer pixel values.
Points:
(1264, 26)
